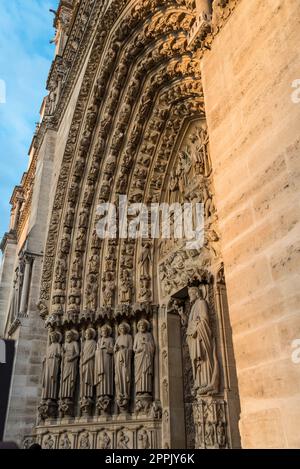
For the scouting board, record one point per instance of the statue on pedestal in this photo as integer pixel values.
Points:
(51, 367)
(69, 371)
(87, 364)
(104, 380)
(50, 377)
(143, 358)
(123, 357)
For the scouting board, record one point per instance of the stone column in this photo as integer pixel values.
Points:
(25, 289)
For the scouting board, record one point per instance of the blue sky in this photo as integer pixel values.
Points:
(26, 27)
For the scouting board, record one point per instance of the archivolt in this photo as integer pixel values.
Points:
(141, 86)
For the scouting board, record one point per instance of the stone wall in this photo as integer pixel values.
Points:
(254, 138)
(6, 279)
(31, 336)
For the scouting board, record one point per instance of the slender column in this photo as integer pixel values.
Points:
(25, 289)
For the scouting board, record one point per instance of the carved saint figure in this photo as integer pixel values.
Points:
(209, 434)
(123, 354)
(145, 261)
(144, 442)
(69, 365)
(123, 441)
(105, 441)
(51, 366)
(49, 443)
(85, 441)
(143, 358)
(221, 434)
(108, 289)
(202, 347)
(87, 364)
(104, 363)
(125, 287)
(65, 442)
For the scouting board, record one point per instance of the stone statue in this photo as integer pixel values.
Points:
(49, 442)
(51, 367)
(145, 261)
(65, 442)
(209, 434)
(125, 287)
(221, 434)
(85, 441)
(87, 364)
(104, 363)
(91, 292)
(202, 347)
(143, 439)
(105, 441)
(108, 289)
(123, 441)
(143, 358)
(123, 357)
(69, 365)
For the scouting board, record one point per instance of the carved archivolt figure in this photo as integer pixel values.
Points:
(143, 359)
(108, 289)
(87, 364)
(145, 261)
(202, 345)
(209, 434)
(104, 363)
(123, 356)
(125, 287)
(69, 365)
(51, 366)
(91, 292)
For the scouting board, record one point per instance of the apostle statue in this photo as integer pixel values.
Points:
(123, 357)
(104, 363)
(202, 346)
(143, 358)
(145, 261)
(87, 364)
(69, 365)
(51, 367)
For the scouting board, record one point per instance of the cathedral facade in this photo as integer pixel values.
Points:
(146, 341)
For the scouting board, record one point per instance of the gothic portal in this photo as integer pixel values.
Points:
(121, 340)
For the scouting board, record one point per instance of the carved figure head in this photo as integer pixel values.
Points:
(55, 337)
(69, 336)
(124, 328)
(106, 331)
(90, 334)
(194, 293)
(143, 325)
